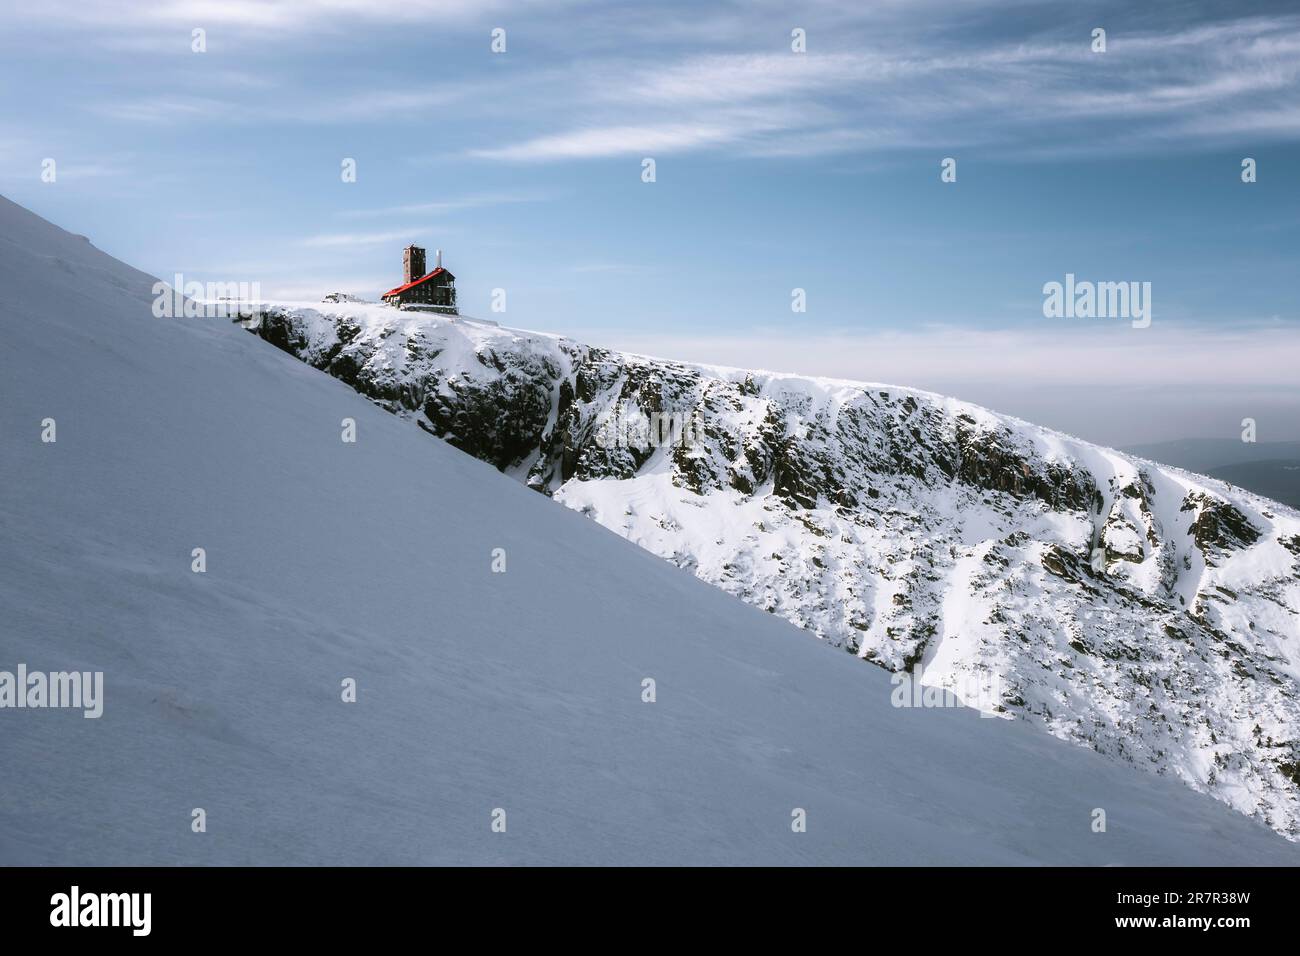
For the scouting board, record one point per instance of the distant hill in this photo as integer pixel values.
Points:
(1278, 479)
(1271, 469)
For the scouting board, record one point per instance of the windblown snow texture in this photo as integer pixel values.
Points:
(1146, 612)
(520, 691)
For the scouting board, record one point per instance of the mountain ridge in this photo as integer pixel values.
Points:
(1140, 609)
(521, 691)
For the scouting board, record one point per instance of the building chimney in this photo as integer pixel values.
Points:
(412, 264)
(438, 264)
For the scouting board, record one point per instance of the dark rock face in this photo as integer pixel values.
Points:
(992, 462)
(1218, 525)
(506, 418)
(500, 422)
(1093, 595)
(501, 419)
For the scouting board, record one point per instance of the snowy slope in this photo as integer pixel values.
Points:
(477, 690)
(1143, 611)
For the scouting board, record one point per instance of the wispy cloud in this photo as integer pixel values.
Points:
(448, 205)
(278, 16)
(26, 161)
(872, 79)
(342, 240)
(622, 140)
(783, 103)
(162, 109)
(368, 106)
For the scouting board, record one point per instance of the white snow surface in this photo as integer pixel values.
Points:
(476, 690)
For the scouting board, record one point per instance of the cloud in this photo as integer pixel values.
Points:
(162, 109)
(343, 240)
(264, 16)
(1145, 88)
(619, 141)
(449, 205)
(370, 106)
(741, 78)
(23, 161)
(875, 78)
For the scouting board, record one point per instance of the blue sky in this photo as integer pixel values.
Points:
(774, 170)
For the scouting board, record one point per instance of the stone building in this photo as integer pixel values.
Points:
(431, 292)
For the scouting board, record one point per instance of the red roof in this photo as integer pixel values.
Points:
(411, 285)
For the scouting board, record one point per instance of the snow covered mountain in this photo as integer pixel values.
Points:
(1146, 612)
(476, 691)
